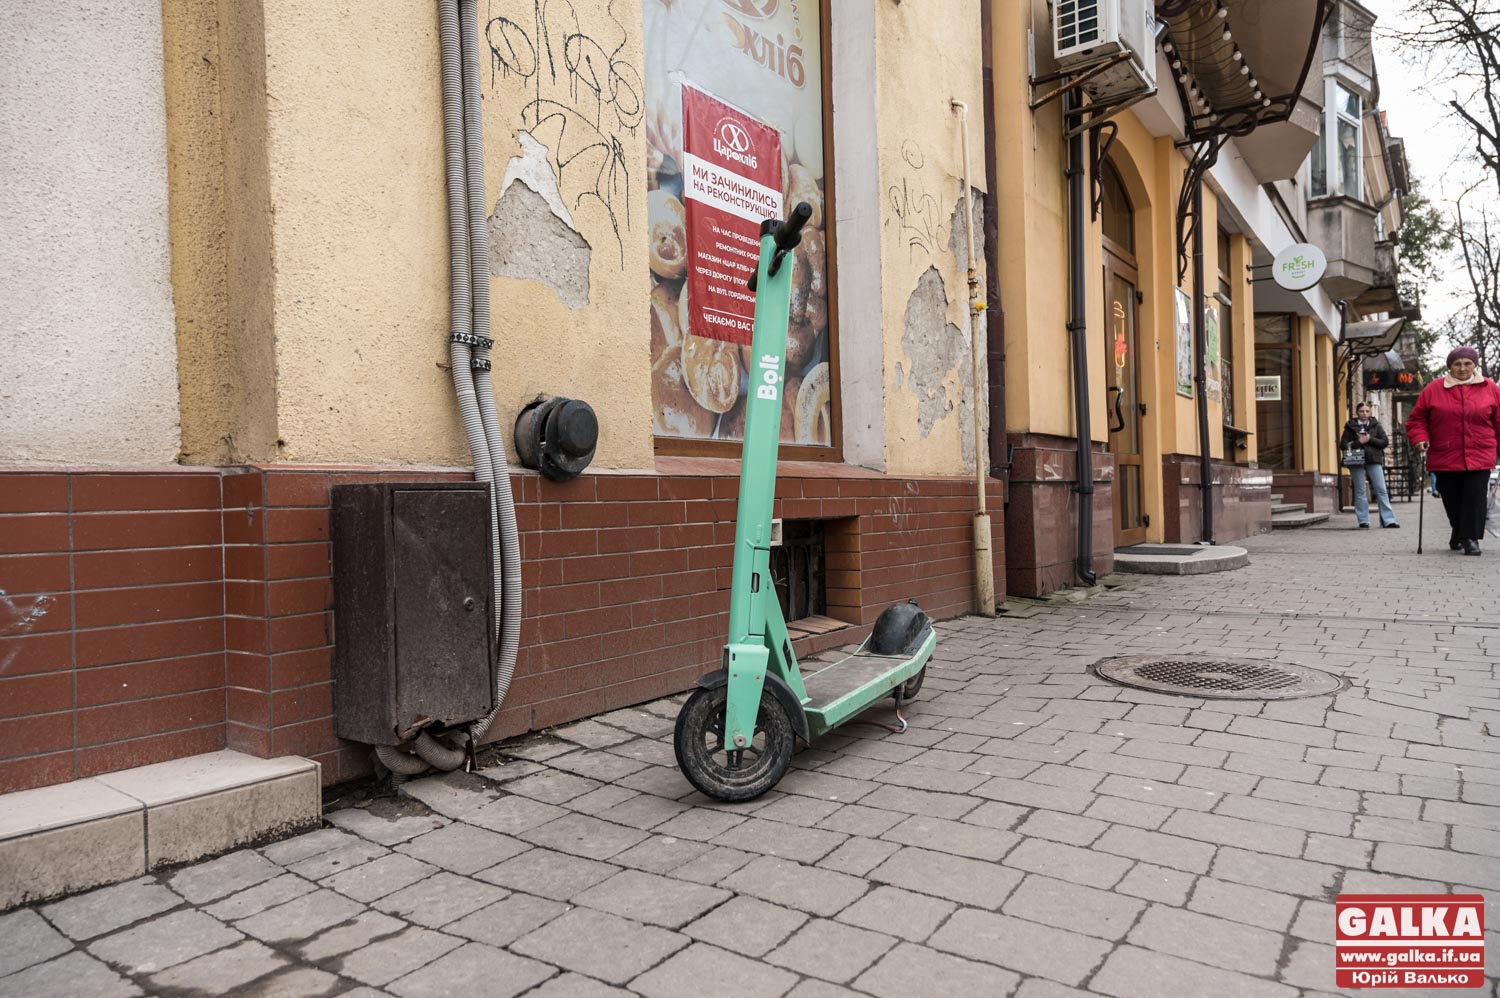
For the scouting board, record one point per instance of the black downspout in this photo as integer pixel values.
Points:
(994, 316)
(1078, 333)
(1200, 349)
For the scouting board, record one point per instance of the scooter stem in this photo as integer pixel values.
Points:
(751, 643)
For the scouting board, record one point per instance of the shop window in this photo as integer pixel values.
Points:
(1226, 328)
(1337, 159)
(1118, 218)
(1276, 392)
(768, 60)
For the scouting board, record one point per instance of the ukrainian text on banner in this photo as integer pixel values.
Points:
(731, 173)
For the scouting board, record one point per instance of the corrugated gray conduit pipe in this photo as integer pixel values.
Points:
(468, 346)
(508, 582)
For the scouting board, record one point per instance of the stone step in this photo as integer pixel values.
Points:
(1277, 497)
(1288, 507)
(1179, 559)
(1292, 521)
(100, 830)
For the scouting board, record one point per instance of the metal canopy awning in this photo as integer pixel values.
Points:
(1389, 361)
(1240, 64)
(1373, 336)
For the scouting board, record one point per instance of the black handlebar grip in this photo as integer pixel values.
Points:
(789, 234)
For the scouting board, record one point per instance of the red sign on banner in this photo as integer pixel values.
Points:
(731, 182)
(1409, 941)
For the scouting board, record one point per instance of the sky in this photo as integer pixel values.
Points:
(1438, 143)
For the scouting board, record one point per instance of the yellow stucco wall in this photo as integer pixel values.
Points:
(1307, 391)
(361, 251)
(1031, 207)
(221, 217)
(310, 229)
(1244, 346)
(922, 67)
(1326, 428)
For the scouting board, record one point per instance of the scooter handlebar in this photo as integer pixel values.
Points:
(789, 234)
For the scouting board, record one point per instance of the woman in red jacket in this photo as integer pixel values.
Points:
(1456, 423)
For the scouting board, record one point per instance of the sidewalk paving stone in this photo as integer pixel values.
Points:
(386, 959)
(657, 900)
(164, 942)
(1021, 945)
(28, 940)
(684, 975)
(379, 877)
(911, 970)
(439, 899)
(462, 848)
(217, 878)
(97, 912)
(747, 926)
(1208, 939)
(1036, 831)
(301, 917)
(257, 899)
(1130, 972)
(1073, 907)
(830, 950)
(73, 974)
(221, 971)
(613, 949)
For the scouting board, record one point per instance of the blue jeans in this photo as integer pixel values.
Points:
(1362, 499)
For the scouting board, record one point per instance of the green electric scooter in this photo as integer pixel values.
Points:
(737, 731)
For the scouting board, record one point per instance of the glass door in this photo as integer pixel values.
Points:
(1123, 400)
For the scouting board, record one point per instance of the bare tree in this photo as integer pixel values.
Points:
(1478, 238)
(1463, 36)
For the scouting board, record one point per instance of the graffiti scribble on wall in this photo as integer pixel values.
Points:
(581, 97)
(917, 212)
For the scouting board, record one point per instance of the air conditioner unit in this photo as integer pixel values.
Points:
(1086, 32)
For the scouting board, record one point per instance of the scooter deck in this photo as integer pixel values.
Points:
(839, 691)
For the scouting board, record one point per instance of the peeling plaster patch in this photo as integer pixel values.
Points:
(937, 352)
(532, 236)
(957, 244)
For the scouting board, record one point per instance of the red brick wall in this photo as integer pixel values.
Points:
(215, 588)
(111, 622)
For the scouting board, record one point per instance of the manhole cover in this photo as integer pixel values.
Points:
(1218, 678)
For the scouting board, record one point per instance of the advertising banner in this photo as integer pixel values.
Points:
(1184, 318)
(762, 61)
(731, 182)
(1213, 387)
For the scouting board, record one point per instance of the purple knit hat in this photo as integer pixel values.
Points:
(1462, 353)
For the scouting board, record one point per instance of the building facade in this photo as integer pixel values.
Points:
(262, 313)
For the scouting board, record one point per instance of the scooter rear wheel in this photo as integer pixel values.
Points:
(731, 775)
(912, 686)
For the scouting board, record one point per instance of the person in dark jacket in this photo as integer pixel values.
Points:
(1363, 431)
(1456, 423)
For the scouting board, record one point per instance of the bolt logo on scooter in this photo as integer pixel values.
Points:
(736, 733)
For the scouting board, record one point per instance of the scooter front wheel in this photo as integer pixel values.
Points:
(732, 774)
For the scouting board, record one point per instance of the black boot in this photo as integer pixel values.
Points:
(1471, 547)
(1453, 542)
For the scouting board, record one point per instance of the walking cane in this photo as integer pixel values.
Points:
(1421, 501)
